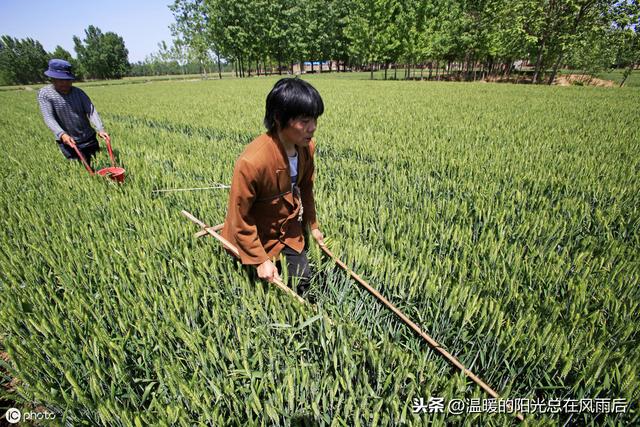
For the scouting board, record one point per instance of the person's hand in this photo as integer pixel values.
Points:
(67, 140)
(267, 271)
(317, 234)
(104, 136)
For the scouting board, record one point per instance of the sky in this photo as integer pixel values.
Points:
(141, 23)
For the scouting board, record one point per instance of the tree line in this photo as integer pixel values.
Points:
(98, 56)
(471, 38)
(173, 58)
(465, 39)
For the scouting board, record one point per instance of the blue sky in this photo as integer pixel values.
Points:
(141, 23)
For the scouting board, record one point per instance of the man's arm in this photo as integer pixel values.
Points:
(94, 117)
(49, 118)
(91, 112)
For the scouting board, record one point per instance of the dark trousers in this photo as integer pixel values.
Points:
(87, 148)
(298, 269)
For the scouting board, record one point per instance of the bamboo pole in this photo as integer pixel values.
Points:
(432, 343)
(204, 232)
(229, 246)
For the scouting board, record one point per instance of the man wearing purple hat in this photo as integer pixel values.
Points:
(69, 113)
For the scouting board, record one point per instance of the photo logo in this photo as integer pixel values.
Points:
(13, 415)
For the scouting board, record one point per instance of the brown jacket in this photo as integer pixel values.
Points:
(262, 214)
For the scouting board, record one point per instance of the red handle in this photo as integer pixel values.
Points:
(82, 159)
(113, 160)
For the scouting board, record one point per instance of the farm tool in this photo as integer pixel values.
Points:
(213, 231)
(114, 172)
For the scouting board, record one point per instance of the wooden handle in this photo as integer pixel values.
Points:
(432, 343)
(229, 246)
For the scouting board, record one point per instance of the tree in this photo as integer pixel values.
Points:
(627, 33)
(22, 61)
(585, 22)
(101, 56)
(61, 53)
(194, 27)
(470, 35)
(373, 31)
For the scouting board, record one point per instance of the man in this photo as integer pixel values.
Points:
(67, 111)
(271, 199)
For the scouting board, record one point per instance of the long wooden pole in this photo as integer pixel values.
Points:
(229, 246)
(432, 343)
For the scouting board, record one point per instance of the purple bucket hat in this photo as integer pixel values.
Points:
(59, 69)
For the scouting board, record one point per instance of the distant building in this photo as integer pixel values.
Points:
(317, 66)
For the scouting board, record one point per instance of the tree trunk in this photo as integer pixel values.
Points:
(421, 72)
(538, 62)
(371, 64)
(556, 65)
(219, 67)
(395, 71)
(430, 69)
(583, 10)
(438, 70)
(386, 66)
(627, 73)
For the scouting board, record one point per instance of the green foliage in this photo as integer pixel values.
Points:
(22, 61)
(493, 34)
(101, 56)
(507, 229)
(61, 53)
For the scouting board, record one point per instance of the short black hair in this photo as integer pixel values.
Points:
(289, 99)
